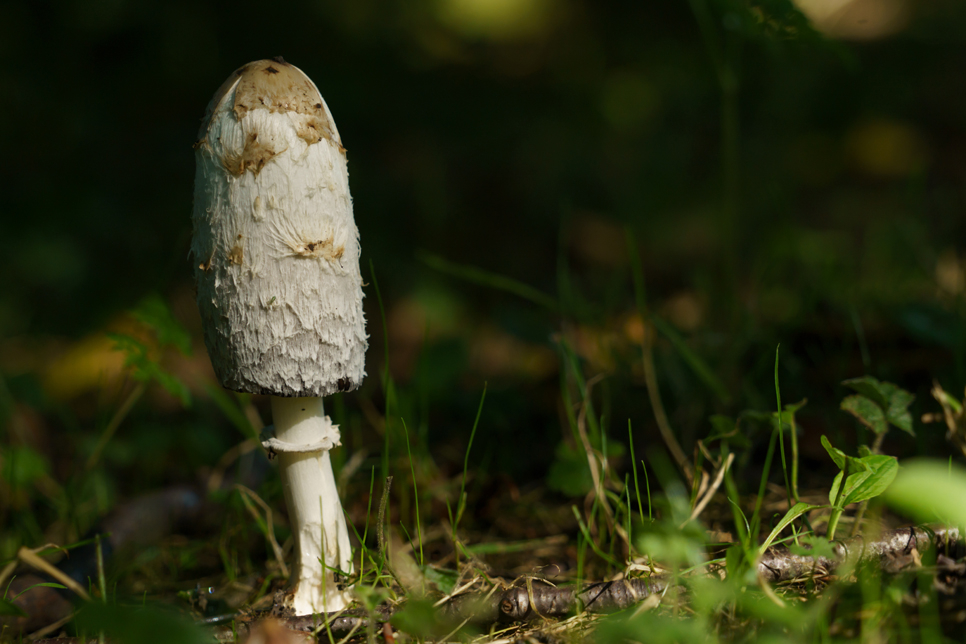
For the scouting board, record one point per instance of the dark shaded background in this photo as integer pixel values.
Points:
(526, 139)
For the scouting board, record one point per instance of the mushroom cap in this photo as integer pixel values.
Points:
(275, 246)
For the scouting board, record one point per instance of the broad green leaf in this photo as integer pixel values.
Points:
(851, 484)
(869, 477)
(866, 411)
(892, 402)
(928, 490)
(897, 412)
(882, 471)
(793, 513)
(871, 388)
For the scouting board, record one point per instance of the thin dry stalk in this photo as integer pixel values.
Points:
(114, 423)
(31, 558)
(247, 494)
(597, 466)
(703, 503)
(468, 618)
(218, 473)
(51, 628)
(667, 434)
(352, 466)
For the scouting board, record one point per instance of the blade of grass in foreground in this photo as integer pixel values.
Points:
(637, 488)
(386, 384)
(486, 278)
(412, 468)
(697, 365)
(461, 502)
(781, 438)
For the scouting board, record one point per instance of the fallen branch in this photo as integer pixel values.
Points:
(537, 598)
(890, 549)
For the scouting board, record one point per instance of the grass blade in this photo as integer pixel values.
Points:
(486, 278)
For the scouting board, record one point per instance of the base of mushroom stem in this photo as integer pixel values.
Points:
(290, 602)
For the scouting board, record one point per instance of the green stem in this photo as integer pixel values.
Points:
(795, 496)
(756, 517)
(837, 509)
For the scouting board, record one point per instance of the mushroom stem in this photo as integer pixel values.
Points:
(303, 437)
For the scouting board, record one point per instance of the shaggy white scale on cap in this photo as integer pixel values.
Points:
(275, 244)
(276, 252)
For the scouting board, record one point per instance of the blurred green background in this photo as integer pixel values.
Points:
(783, 179)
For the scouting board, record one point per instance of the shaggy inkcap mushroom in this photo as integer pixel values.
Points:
(276, 255)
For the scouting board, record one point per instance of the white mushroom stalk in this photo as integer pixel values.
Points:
(303, 437)
(276, 251)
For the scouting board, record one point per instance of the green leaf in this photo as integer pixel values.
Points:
(788, 414)
(871, 388)
(23, 465)
(813, 546)
(569, 473)
(444, 580)
(851, 483)
(136, 625)
(897, 412)
(866, 411)
(9, 608)
(370, 596)
(869, 477)
(650, 627)
(837, 455)
(154, 313)
(892, 402)
(420, 619)
(793, 513)
(841, 458)
(880, 475)
(927, 490)
(145, 368)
